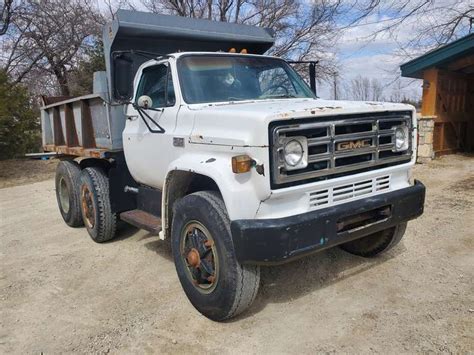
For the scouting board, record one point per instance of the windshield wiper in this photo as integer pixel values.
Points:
(234, 98)
(283, 96)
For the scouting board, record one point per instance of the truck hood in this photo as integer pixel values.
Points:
(245, 123)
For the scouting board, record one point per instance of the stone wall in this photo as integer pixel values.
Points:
(425, 138)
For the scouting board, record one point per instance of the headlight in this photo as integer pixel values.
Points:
(295, 153)
(401, 139)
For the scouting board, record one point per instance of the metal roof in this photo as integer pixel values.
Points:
(438, 57)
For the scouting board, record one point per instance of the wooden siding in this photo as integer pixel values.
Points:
(450, 97)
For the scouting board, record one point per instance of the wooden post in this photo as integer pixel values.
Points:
(430, 92)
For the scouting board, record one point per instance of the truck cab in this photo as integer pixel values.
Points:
(233, 158)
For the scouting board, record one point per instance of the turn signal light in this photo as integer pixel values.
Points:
(241, 164)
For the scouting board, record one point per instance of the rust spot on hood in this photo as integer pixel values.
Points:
(323, 108)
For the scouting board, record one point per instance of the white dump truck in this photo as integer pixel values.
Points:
(194, 135)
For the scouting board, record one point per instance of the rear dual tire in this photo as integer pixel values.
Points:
(67, 180)
(83, 199)
(97, 213)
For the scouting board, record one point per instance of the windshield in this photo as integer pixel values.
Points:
(215, 78)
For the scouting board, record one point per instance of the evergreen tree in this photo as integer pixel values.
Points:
(81, 78)
(19, 120)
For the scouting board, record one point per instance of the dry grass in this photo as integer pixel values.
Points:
(24, 171)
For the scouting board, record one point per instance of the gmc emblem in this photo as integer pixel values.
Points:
(361, 143)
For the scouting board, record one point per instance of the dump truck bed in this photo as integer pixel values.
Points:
(82, 126)
(92, 125)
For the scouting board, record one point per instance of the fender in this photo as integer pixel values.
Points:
(239, 193)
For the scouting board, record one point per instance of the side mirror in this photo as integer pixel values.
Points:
(145, 101)
(122, 76)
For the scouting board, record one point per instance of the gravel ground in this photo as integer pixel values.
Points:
(61, 292)
(16, 172)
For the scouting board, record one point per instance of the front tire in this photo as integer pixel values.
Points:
(67, 183)
(376, 243)
(95, 205)
(214, 281)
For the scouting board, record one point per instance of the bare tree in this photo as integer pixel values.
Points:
(303, 29)
(415, 27)
(110, 8)
(376, 90)
(47, 37)
(5, 14)
(397, 92)
(433, 23)
(360, 88)
(364, 89)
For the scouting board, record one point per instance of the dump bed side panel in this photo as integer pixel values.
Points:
(83, 126)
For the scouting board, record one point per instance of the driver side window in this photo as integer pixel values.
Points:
(156, 82)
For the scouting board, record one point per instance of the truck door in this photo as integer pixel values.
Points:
(148, 135)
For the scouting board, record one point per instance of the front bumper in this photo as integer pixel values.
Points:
(283, 239)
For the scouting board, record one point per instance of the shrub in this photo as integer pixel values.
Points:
(19, 120)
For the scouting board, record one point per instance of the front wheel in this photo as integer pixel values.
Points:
(377, 243)
(214, 281)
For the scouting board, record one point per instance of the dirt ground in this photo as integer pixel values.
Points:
(61, 292)
(25, 171)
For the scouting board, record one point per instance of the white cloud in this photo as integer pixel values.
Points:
(361, 53)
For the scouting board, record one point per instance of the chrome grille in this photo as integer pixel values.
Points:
(339, 146)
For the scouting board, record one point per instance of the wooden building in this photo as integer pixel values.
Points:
(448, 94)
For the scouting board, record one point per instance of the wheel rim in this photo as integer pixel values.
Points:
(199, 255)
(88, 211)
(64, 195)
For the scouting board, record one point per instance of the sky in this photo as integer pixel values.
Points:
(358, 53)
